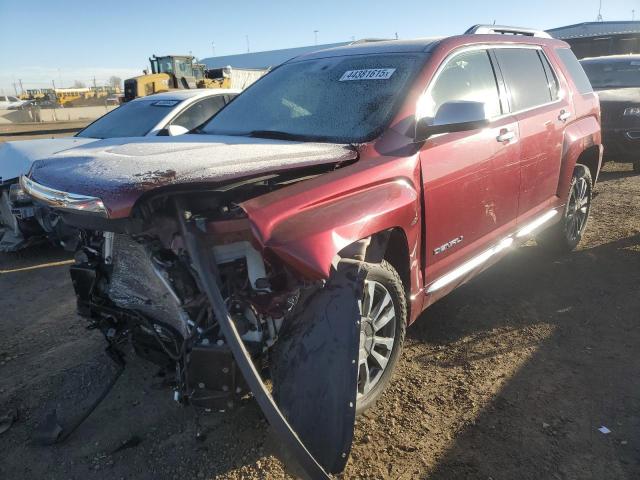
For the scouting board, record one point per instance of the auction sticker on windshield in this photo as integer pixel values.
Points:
(368, 74)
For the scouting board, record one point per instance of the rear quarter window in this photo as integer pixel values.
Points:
(570, 62)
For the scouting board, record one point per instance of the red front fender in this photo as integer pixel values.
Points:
(307, 234)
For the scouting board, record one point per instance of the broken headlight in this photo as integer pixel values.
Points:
(63, 200)
(17, 195)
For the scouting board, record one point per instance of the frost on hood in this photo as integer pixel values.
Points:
(143, 163)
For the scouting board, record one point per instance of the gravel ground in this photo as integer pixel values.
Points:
(508, 377)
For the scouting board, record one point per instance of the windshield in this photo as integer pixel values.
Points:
(339, 99)
(133, 119)
(619, 73)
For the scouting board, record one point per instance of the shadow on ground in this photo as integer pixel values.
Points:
(544, 421)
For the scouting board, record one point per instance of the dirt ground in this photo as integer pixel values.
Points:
(509, 377)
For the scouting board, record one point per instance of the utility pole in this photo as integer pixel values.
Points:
(396, 35)
(15, 88)
(248, 48)
(21, 88)
(315, 37)
(599, 18)
(213, 49)
(94, 83)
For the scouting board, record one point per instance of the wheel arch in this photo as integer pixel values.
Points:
(590, 158)
(582, 144)
(391, 245)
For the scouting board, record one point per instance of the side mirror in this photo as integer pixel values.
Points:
(173, 131)
(455, 116)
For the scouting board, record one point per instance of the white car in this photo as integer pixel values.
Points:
(8, 101)
(168, 114)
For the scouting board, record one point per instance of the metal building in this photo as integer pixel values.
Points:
(270, 58)
(596, 39)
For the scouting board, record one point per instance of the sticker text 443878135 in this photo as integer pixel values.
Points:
(368, 74)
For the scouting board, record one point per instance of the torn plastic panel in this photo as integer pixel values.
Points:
(314, 367)
(207, 270)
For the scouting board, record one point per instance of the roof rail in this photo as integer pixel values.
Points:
(506, 30)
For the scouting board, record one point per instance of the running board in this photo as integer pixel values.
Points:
(483, 257)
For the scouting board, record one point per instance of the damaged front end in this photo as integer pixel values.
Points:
(188, 284)
(24, 223)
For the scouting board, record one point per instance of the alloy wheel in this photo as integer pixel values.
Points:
(377, 335)
(578, 209)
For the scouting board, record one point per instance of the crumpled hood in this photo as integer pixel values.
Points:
(16, 157)
(119, 171)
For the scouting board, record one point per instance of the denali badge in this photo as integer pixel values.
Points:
(448, 245)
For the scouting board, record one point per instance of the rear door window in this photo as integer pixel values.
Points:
(468, 76)
(525, 77)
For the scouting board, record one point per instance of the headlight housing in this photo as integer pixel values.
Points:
(60, 200)
(632, 112)
(17, 195)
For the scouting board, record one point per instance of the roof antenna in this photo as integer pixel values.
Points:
(599, 18)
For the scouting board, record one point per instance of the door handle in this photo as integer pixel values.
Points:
(564, 115)
(505, 135)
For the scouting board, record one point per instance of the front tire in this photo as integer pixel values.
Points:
(565, 235)
(383, 311)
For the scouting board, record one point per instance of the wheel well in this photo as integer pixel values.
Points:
(390, 245)
(397, 254)
(590, 158)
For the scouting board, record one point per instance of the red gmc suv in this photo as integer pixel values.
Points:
(298, 232)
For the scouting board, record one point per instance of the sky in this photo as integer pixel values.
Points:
(66, 40)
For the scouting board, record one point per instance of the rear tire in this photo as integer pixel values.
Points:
(383, 325)
(565, 235)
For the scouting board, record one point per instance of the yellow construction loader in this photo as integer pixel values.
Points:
(180, 72)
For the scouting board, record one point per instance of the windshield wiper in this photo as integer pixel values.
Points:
(280, 135)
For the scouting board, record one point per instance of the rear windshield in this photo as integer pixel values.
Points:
(133, 119)
(341, 99)
(616, 73)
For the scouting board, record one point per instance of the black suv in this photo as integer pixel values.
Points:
(616, 78)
